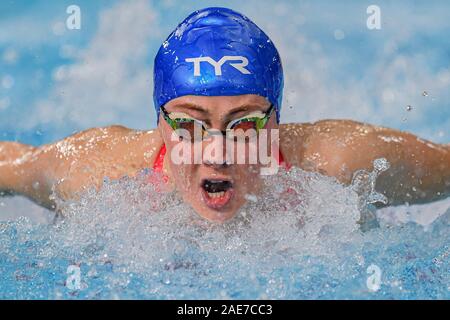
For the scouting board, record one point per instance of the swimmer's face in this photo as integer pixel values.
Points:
(213, 186)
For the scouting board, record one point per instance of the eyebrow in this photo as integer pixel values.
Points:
(194, 107)
(246, 107)
(190, 107)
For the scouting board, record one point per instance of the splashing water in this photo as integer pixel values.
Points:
(306, 237)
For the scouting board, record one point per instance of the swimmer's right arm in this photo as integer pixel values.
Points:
(79, 162)
(15, 172)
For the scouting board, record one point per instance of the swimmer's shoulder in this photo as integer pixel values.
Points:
(139, 147)
(294, 141)
(84, 159)
(128, 148)
(315, 145)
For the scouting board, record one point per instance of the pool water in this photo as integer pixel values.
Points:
(129, 242)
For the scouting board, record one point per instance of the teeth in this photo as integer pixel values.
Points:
(216, 194)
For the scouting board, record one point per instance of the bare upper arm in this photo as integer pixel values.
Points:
(84, 159)
(338, 148)
(90, 156)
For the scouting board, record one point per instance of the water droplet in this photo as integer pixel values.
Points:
(251, 197)
(425, 94)
(339, 34)
(409, 108)
(381, 164)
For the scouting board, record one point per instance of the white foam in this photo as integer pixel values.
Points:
(311, 230)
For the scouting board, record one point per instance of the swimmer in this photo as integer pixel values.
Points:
(218, 77)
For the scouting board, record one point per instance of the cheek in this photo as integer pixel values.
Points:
(178, 153)
(248, 177)
(167, 138)
(186, 180)
(184, 173)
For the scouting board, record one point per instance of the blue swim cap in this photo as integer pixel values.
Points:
(217, 52)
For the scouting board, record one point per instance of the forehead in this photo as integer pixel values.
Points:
(220, 102)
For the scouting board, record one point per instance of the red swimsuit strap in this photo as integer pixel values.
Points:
(281, 161)
(158, 165)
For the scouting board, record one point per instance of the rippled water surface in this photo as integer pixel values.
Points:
(127, 241)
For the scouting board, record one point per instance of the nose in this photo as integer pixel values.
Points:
(215, 157)
(214, 151)
(214, 163)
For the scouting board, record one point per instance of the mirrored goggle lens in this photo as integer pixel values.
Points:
(189, 129)
(243, 129)
(195, 131)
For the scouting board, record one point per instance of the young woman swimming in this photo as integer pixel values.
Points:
(218, 83)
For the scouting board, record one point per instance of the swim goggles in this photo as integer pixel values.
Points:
(241, 128)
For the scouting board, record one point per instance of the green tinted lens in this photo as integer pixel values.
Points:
(194, 128)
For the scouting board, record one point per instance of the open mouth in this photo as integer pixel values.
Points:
(216, 193)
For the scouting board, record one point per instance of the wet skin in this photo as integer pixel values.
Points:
(419, 172)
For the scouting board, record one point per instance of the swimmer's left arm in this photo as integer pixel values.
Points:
(419, 170)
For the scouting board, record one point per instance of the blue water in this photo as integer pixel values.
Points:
(145, 245)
